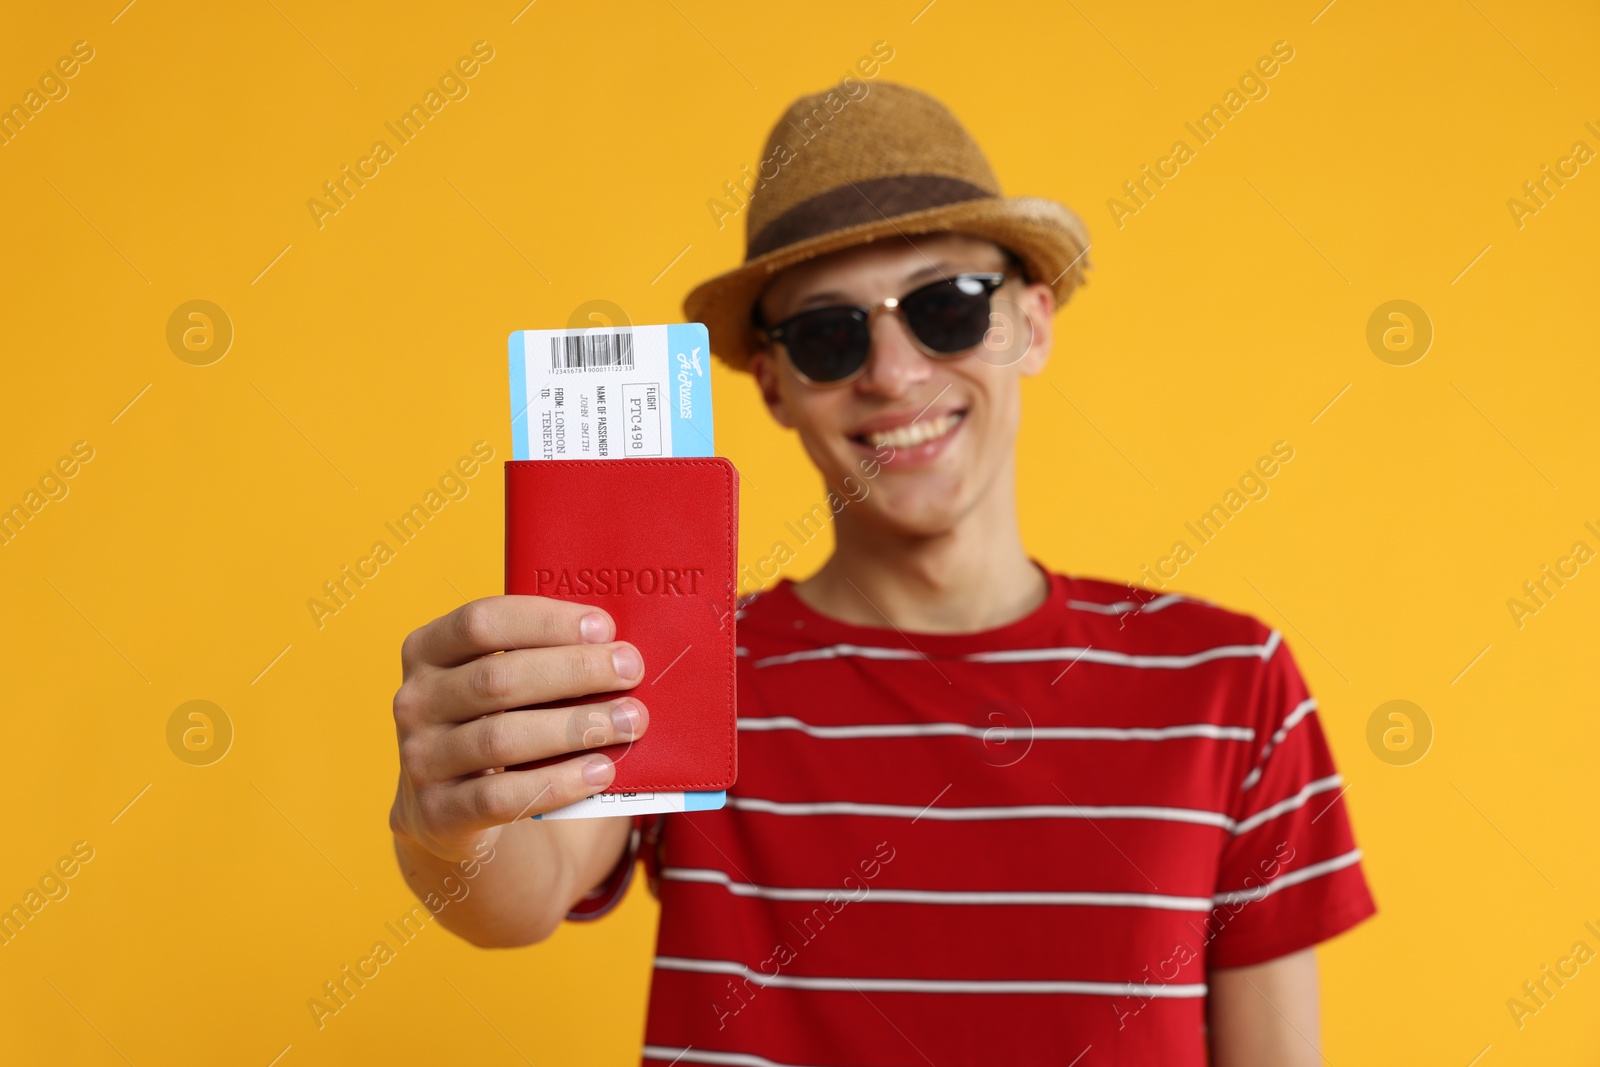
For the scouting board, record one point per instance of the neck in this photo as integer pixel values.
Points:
(975, 576)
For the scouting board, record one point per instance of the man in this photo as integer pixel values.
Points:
(987, 813)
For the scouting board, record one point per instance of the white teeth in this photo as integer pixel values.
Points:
(915, 434)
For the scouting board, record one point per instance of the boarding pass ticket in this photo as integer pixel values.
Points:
(614, 393)
(611, 392)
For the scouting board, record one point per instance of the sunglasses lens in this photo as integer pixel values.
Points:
(949, 316)
(828, 344)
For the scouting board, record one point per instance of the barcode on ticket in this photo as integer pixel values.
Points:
(591, 351)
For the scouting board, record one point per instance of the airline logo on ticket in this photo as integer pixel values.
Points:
(608, 392)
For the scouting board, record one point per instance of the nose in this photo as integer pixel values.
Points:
(895, 366)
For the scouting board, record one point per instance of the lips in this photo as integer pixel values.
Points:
(908, 431)
(919, 432)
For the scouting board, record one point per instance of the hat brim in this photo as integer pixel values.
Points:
(1051, 241)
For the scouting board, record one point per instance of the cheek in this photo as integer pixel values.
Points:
(820, 419)
(996, 408)
(1010, 409)
(819, 456)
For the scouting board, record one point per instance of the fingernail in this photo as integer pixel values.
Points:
(594, 628)
(625, 719)
(597, 771)
(627, 662)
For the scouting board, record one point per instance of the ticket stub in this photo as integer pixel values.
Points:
(604, 804)
(611, 392)
(621, 392)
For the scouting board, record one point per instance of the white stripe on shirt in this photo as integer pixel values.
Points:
(1160, 902)
(1017, 811)
(1194, 816)
(1262, 652)
(1121, 606)
(1122, 659)
(1304, 874)
(1018, 733)
(838, 652)
(674, 1054)
(1290, 721)
(1311, 789)
(707, 876)
(928, 985)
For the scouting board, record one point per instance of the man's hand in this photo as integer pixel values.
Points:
(461, 675)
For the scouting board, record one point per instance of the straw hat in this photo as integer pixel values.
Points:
(881, 161)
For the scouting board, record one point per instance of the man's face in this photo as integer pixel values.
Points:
(927, 438)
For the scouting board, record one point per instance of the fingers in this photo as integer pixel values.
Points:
(520, 677)
(501, 653)
(497, 799)
(498, 623)
(523, 736)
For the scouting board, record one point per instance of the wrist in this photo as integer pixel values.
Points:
(411, 841)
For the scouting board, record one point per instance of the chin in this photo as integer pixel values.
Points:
(907, 475)
(924, 510)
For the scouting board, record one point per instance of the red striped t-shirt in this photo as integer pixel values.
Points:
(1019, 846)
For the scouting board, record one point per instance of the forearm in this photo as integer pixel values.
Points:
(516, 890)
(462, 832)
(1266, 1015)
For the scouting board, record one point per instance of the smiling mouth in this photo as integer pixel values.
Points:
(914, 434)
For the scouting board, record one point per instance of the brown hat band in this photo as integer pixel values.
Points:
(855, 203)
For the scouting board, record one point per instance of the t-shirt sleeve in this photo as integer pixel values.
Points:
(1290, 874)
(642, 842)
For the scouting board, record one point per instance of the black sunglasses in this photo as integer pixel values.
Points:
(946, 318)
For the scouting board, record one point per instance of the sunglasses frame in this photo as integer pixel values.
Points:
(993, 279)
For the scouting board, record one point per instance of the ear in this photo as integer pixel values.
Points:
(1038, 302)
(764, 368)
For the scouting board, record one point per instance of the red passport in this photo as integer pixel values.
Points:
(655, 543)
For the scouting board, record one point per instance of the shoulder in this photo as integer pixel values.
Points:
(1166, 616)
(1226, 653)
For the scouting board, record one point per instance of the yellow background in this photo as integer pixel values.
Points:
(1227, 314)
